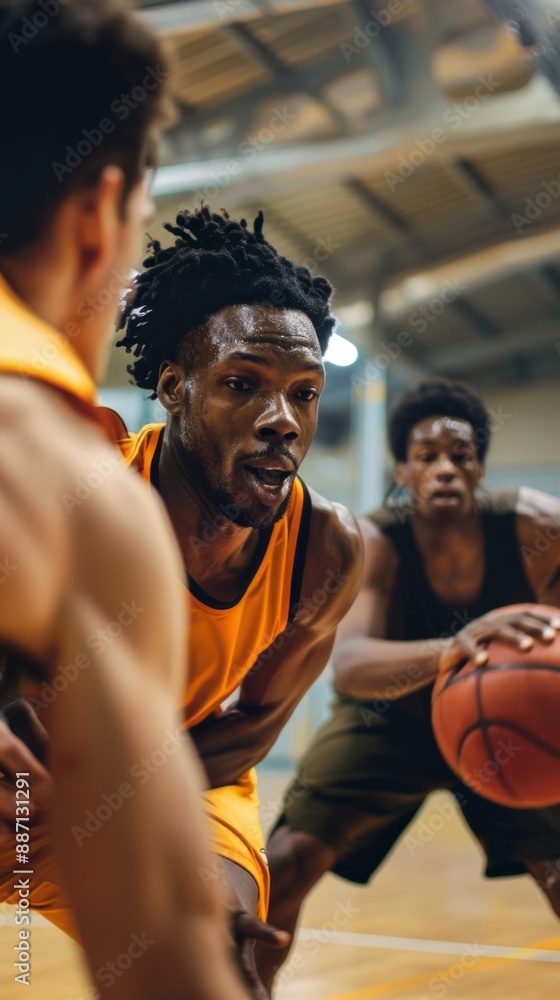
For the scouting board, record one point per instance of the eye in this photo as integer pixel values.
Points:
(462, 456)
(239, 384)
(307, 395)
(428, 456)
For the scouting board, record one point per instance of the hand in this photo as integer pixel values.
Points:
(245, 926)
(246, 929)
(517, 629)
(16, 755)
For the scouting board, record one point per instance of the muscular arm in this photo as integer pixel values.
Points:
(231, 743)
(538, 532)
(366, 665)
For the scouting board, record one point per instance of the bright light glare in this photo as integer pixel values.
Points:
(340, 351)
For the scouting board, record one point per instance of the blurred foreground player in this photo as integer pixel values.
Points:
(438, 560)
(107, 566)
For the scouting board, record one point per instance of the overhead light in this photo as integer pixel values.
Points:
(357, 314)
(341, 352)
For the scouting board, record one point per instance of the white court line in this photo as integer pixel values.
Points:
(7, 919)
(419, 944)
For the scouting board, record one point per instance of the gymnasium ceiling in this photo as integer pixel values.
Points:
(323, 114)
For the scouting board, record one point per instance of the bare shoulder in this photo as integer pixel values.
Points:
(536, 511)
(538, 535)
(336, 528)
(335, 557)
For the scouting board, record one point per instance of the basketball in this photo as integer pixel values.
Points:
(498, 725)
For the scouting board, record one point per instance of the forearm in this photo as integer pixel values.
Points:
(232, 743)
(368, 668)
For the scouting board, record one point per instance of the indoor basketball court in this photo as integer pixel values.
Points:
(372, 184)
(430, 924)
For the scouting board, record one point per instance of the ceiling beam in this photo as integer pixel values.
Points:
(482, 353)
(169, 18)
(292, 79)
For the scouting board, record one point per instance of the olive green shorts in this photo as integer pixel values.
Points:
(366, 775)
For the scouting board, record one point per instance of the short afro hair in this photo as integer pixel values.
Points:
(214, 262)
(438, 398)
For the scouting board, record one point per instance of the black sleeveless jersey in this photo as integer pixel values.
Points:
(415, 612)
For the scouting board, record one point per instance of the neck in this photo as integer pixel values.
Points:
(48, 293)
(447, 538)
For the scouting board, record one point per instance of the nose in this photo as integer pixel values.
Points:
(445, 469)
(276, 419)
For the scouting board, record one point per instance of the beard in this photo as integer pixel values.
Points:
(235, 505)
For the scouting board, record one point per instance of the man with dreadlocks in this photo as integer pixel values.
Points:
(439, 559)
(229, 336)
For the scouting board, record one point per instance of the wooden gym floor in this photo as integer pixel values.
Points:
(429, 926)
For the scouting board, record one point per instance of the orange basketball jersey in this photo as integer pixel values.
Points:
(31, 348)
(227, 639)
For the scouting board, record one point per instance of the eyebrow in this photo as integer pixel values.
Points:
(258, 359)
(430, 440)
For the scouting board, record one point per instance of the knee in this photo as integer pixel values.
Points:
(297, 860)
(547, 876)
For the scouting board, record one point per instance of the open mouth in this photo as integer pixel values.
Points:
(270, 485)
(446, 496)
(268, 477)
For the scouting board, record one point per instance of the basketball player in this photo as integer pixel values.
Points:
(230, 336)
(439, 559)
(89, 608)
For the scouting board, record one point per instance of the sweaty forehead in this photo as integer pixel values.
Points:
(257, 327)
(436, 428)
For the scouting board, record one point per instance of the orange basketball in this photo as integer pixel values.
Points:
(498, 726)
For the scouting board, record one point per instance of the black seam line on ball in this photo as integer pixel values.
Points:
(483, 724)
(457, 678)
(515, 728)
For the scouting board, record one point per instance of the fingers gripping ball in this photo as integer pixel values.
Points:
(498, 725)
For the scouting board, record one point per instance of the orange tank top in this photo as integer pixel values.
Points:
(31, 348)
(226, 639)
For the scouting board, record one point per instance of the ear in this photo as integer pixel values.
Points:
(481, 472)
(401, 474)
(171, 387)
(98, 221)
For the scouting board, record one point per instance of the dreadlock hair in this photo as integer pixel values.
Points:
(439, 397)
(214, 262)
